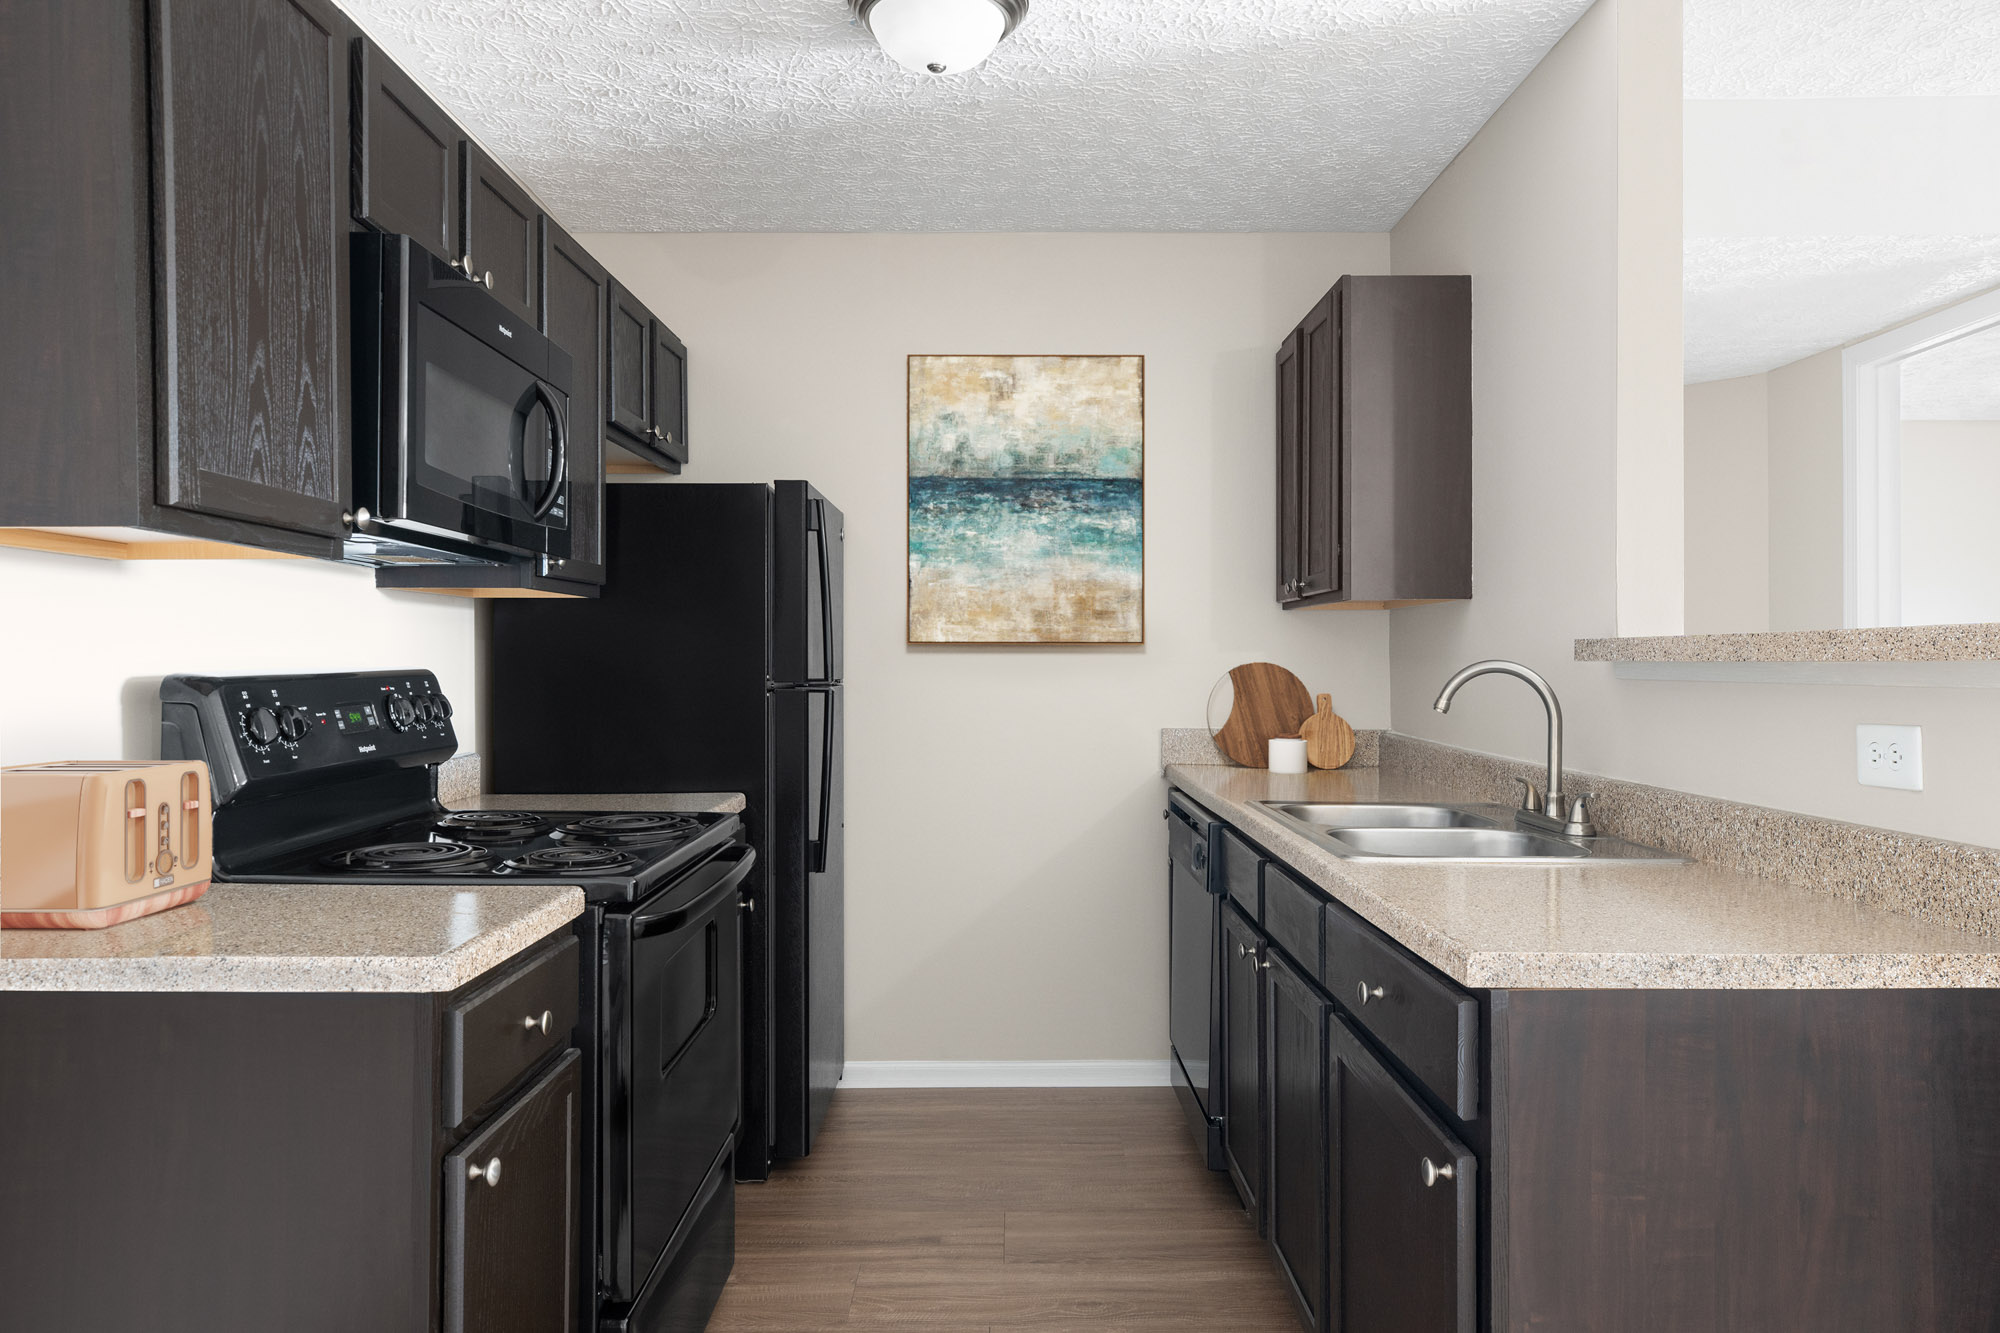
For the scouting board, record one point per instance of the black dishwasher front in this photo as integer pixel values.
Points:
(1193, 971)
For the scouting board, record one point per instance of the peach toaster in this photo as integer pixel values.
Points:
(89, 844)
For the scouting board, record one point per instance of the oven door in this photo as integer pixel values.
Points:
(672, 1064)
(472, 413)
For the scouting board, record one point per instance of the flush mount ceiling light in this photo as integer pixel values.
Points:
(940, 36)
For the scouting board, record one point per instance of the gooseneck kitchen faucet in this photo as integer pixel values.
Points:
(1550, 809)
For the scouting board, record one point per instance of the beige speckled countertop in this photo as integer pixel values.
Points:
(325, 937)
(297, 937)
(1696, 926)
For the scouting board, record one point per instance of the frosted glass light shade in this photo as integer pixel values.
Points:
(937, 36)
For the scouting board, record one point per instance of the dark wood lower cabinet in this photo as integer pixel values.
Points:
(192, 1162)
(1242, 1060)
(1607, 1161)
(510, 1203)
(1295, 1024)
(1403, 1225)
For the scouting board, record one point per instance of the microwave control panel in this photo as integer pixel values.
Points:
(273, 732)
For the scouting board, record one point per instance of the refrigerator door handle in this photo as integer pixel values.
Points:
(818, 524)
(819, 845)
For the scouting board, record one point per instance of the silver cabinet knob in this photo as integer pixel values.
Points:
(747, 905)
(488, 280)
(1242, 951)
(534, 1024)
(464, 264)
(490, 1173)
(1433, 1173)
(1364, 992)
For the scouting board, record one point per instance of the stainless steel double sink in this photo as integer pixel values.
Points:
(1385, 831)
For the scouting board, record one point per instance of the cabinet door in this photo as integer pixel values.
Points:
(669, 393)
(573, 307)
(250, 133)
(1295, 1024)
(406, 156)
(510, 1214)
(1290, 462)
(503, 235)
(1403, 1225)
(1319, 473)
(629, 391)
(1243, 1059)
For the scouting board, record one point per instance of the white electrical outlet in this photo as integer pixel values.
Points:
(1889, 757)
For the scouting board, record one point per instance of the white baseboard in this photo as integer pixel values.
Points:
(1006, 1074)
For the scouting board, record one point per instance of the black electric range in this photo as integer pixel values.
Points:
(332, 779)
(612, 855)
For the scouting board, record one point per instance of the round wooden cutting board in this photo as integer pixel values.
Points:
(1268, 701)
(1329, 740)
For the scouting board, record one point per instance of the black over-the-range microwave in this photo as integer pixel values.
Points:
(461, 414)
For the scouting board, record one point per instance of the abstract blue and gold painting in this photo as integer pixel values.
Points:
(1027, 499)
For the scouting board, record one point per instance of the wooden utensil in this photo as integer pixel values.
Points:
(1268, 701)
(1329, 740)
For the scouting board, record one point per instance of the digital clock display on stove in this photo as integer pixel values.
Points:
(354, 718)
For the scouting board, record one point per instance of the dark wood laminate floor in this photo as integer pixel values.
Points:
(970, 1210)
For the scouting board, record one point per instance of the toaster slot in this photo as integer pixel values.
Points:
(190, 817)
(137, 853)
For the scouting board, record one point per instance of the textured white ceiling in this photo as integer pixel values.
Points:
(1146, 115)
(1817, 222)
(1841, 48)
(1959, 381)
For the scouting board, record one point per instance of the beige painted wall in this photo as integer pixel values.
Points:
(1529, 210)
(1808, 485)
(1951, 541)
(1728, 506)
(1006, 894)
(93, 637)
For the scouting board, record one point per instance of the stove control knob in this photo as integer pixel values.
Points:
(292, 723)
(402, 713)
(432, 710)
(260, 725)
(444, 706)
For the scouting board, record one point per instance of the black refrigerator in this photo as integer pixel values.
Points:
(712, 662)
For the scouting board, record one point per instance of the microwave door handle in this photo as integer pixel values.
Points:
(558, 452)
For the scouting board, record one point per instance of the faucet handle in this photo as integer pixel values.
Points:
(1531, 796)
(1578, 824)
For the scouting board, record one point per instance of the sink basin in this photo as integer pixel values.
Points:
(1382, 816)
(1470, 833)
(1458, 844)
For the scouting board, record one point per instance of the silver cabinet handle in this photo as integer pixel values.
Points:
(490, 1173)
(747, 905)
(533, 1024)
(1433, 1173)
(1366, 992)
(464, 264)
(489, 279)
(1242, 951)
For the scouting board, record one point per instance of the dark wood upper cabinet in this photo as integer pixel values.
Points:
(1403, 1220)
(1375, 445)
(629, 400)
(1295, 1026)
(669, 393)
(406, 155)
(647, 391)
(502, 240)
(250, 164)
(576, 299)
(1242, 1059)
(1290, 454)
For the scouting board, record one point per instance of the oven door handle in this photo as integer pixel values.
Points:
(724, 875)
(558, 453)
